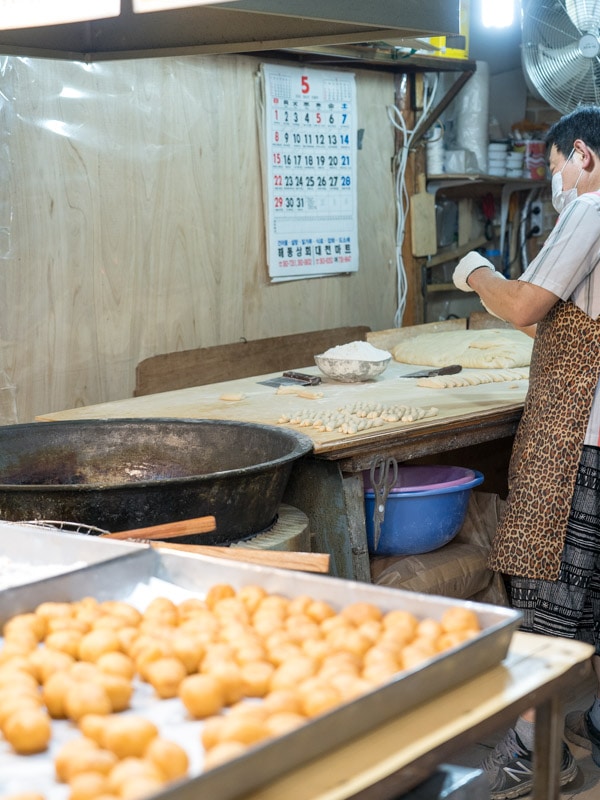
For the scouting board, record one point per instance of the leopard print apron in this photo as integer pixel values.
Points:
(565, 368)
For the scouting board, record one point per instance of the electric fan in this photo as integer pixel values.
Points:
(561, 51)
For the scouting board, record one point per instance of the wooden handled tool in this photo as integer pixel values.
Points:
(284, 559)
(168, 530)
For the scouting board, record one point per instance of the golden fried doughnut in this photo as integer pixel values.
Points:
(67, 751)
(54, 693)
(86, 697)
(65, 641)
(116, 663)
(165, 675)
(202, 695)
(87, 785)
(222, 752)
(96, 643)
(28, 731)
(128, 736)
(133, 767)
(171, 759)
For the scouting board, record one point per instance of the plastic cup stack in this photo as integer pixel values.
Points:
(435, 156)
(497, 157)
(514, 164)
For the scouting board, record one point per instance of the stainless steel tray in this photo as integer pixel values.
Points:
(120, 577)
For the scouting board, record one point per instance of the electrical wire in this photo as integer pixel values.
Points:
(402, 199)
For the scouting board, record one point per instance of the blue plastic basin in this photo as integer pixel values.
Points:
(420, 521)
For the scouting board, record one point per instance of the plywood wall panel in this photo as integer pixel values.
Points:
(131, 222)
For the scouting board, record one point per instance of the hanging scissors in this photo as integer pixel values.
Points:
(384, 474)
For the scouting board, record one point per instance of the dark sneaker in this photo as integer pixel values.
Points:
(594, 735)
(576, 730)
(509, 768)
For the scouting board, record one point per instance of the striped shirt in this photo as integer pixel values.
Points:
(568, 266)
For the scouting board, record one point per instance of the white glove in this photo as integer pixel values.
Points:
(466, 266)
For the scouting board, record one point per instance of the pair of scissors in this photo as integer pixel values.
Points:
(384, 474)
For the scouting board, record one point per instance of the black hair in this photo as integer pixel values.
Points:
(582, 123)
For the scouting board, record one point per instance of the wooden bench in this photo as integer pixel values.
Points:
(202, 365)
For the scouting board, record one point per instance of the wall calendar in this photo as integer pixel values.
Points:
(309, 168)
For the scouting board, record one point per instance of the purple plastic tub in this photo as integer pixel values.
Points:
(423, 512)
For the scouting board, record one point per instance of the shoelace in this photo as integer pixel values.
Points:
(504, 751)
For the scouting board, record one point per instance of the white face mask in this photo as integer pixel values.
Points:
(560, 197)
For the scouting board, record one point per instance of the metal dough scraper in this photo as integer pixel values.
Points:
(293, 379)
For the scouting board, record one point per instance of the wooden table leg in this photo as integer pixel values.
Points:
(549, 724)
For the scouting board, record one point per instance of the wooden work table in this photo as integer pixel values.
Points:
(328, 487)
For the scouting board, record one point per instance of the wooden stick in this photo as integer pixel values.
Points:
(168, 530)
(284, 559)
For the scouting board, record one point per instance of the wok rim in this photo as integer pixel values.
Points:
(303, 444)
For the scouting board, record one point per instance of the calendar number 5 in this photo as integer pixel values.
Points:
(305, 85)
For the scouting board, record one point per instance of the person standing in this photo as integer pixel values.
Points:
(548, 539)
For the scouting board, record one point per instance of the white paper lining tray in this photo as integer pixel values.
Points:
(136, 573)
(30, 553)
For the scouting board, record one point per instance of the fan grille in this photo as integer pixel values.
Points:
(560, 51)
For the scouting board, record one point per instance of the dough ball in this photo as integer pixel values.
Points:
(51, 608)
(223, 752)
(86, 697)
(87, 785)
(46, 662)
(28, 622)
(28, 731)
(171, 759)
(65, 641)
(243, 728)
(202, 695)
(90, 759)
(118, 689)
(459, 618)
(357, 613)
(229, 676)
(217, 592)
(68, 751)
(162, 610)
(54, 693)
(283, 722)
(128, 736)
(256, 678)
(129, 615)
(165, 676)
(211, 731)
(140, 787)
(92, 726)
(133, 768)
(116, 663)
(96, 643)
(189, 647)
(283, 700)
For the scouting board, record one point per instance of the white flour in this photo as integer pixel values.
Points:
(357, 351)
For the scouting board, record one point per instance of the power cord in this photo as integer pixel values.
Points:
(402, 199)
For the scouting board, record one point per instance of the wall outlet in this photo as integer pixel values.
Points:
(536, 218)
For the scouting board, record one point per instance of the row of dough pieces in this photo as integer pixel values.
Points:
(474, 378)
(356, 418)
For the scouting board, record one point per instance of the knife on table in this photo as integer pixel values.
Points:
(429, 373)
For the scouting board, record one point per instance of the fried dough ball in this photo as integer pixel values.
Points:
(141, 786)
(116, 663)
(89, 759)
(211, 731)
(133, 767)
(28, 621)
(361, 612)
(12, 677)
(96, 643)
(319, 610)
(16, 703)
(54, 693)
(202, 695)
(52, 608)
(128, 736)
(459, 618)
(318, 698)
(256, 678)
(65, 641)
(190, 607)
(171, 759)
(45, 662)
(161, 609)
(87, 785)
(28, 731)
(283, 700)
(401, 619)
(283, 722)
(68, 751)
(86, 697)
(229, 676)
(23, 796)
(251, 595)
(129, 615)
(218, 591)
(243, 728)
(292, 672)
(189, 647)
(151, 651)
(222, 752)
(165, 676)
(118, 689)
(92, 726)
